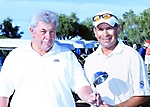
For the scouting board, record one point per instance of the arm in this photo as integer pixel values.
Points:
(87, 95)
(4, 101)
(134, 101)
(84, 91)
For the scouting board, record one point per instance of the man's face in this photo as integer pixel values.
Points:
(106, 35)
(43, 37)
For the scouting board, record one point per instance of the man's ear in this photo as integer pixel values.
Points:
(119, 30)
(94, 30)
(32, 32)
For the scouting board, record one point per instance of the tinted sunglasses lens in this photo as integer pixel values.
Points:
(96, 18)
(106, 16)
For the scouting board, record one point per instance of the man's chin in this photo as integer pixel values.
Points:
(47, 48)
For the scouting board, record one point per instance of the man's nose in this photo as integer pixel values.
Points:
(105, 32)
(48, 35)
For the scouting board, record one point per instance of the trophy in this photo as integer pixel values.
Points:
(99, 78)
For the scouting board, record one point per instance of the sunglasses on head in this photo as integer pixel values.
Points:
(104, 16)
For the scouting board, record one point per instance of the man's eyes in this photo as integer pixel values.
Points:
(100, 29)
(43, 31)
(109, 28)
(51, 32)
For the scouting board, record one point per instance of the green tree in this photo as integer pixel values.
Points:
(68, 25)
(129, 26)
(135, 28)
(86, 30)
(144, 24)
(7, 30)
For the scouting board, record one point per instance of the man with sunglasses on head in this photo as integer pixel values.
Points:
(127, 80)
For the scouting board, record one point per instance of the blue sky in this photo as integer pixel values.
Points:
(21, 10)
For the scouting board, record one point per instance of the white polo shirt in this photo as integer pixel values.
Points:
(41, 81)
(127, 75)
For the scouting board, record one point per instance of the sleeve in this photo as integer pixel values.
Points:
(6, 87)
(78, 75)
(139, 77)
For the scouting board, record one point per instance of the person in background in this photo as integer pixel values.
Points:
(135, 46)
(147, 58)
(126, 83)
(42, 73)
(142, 51)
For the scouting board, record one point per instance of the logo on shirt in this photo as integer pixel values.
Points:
(56, 60)
(141, 84)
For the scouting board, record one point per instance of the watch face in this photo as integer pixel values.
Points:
(99, 77)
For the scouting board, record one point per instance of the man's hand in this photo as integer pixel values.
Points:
(3, 101)
(94, 99)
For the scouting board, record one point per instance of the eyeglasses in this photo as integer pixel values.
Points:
(104, 16)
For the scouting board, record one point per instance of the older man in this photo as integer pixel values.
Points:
(42, 73)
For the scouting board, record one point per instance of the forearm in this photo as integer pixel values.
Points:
(133, 102)
(4, 101)
(84, 92)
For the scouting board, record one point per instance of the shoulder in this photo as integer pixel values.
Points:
(63, 48)
(64, 51)
(130, 50)
(131, 53)
(91, 57)
(19, 51)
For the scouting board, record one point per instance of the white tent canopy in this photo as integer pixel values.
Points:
(80, 43)
(72, 42)
(65, 44)
(9, 44)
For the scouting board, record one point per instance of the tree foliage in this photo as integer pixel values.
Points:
(70, 27)
(136, 28)
(86, 30)
(67, 25)
(144, 24)
(7, 30)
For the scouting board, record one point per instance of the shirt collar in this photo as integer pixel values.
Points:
(55, 49)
